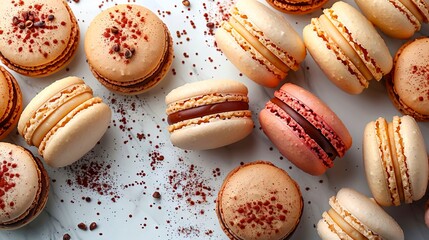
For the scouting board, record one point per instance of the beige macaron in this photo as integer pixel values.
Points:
(129, 49)
(347, 48)
(408, 83)
(64, 121)
(396, 18)
(395, 160)
(10, 103)
(24, 186)
(260, 43)
(37, 37)
(258, 200)
(354, 216)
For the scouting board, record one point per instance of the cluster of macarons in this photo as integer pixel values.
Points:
(129, 50)
(348, 48)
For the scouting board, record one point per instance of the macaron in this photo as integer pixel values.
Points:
(64, 121)
(260, 43)
(208, 114)
(347, 48)
(10, 103)
(408, 83)
(258, 200)
(297, 6)
(24, 187)
(355, 216)
(129, 49)
(304, 129)
(395, 159)
(37, 37)
(396, 18)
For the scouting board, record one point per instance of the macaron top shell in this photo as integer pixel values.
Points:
(275, 28)
(20, 182)
(205, 87)
(34, 46)
(363, 37)
(411, 74)
(259, 189)
(140, 37)
(366, 216)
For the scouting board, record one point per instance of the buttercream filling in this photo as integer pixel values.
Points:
(347, 228)
(336, 36)
(141, 83)
(395, 162)
(205, 110)
(252, 40)
(384, 142)
(309, 129)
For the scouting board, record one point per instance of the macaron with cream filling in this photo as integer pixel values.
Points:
(260, 43)
(395, 159)
(297, 6)
(347, 48)
(10, 103)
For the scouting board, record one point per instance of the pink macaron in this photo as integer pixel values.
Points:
(304, 129)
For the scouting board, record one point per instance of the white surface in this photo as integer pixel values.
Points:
(145, 114)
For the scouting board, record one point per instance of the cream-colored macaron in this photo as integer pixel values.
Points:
(347, 48)
(258, 200)
(10, 103)
(407, 83)
(37, 37)
(395, 160)
(260, 43)
(355, 216)
(129, 49)
(64, 121)
(24, 186)
(396, 18)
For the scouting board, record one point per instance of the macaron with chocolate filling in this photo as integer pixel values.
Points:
(297, 6)
(24, 186)
(10, 103)
(37, 37)
(304, 129)
(259, 201)
(129, 49)
(208, 114)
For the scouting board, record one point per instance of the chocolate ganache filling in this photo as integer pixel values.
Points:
(205, 110)
(309, 129)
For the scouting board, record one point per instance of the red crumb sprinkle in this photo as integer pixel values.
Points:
(7, 180)
(266, 213)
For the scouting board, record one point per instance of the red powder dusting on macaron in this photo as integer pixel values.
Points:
(7, 182)
(266, 213)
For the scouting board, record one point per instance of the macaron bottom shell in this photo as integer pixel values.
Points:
(215, 133)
